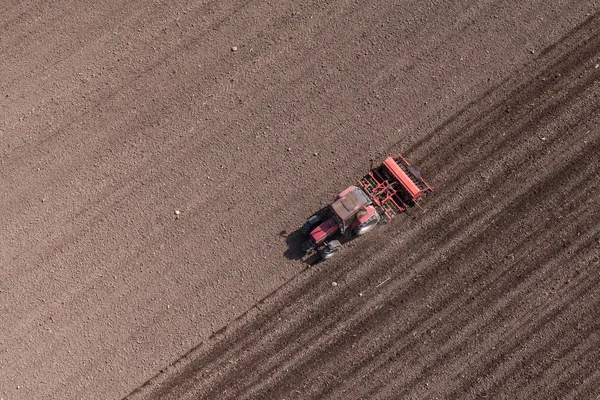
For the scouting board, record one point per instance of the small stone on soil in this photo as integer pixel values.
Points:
(234, 48)
(334, 284)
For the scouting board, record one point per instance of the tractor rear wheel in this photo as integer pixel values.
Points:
(367, 225)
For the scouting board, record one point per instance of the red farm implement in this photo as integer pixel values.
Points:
(388, 189)
(394, 186)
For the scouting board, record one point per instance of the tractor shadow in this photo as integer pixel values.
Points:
(296, 239)
(294, 251)
(294, 243)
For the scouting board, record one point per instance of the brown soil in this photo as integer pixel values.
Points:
(244, 115)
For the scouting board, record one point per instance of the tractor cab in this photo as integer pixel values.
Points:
(350, 208)
(347, 205)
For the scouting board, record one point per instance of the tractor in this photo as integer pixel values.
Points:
(388, 189)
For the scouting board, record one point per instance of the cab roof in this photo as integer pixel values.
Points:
(350, 203)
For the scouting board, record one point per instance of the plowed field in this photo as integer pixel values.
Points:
(157, 158)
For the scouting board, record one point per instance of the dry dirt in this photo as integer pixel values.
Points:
(244, 115)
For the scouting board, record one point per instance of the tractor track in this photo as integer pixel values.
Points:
(287, 350)
(117, 115)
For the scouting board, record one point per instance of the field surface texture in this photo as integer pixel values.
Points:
(158, 157)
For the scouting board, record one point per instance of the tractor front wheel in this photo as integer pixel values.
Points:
(310, 224)
(330, 249)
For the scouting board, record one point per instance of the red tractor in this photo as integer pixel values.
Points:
(391, 188)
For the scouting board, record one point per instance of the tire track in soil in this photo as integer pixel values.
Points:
(241, 343)
(114, 200)
(209, 357)
(104, 205)
(61, 134)
(141, 176)
(110, 205)
(572, 54)
(300, 333)
(371, 328)
(465, 300)
(130, 189)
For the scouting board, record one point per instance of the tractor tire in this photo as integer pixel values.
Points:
(366, 226)
(308, 246)
(310, 224)
(330, 249)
